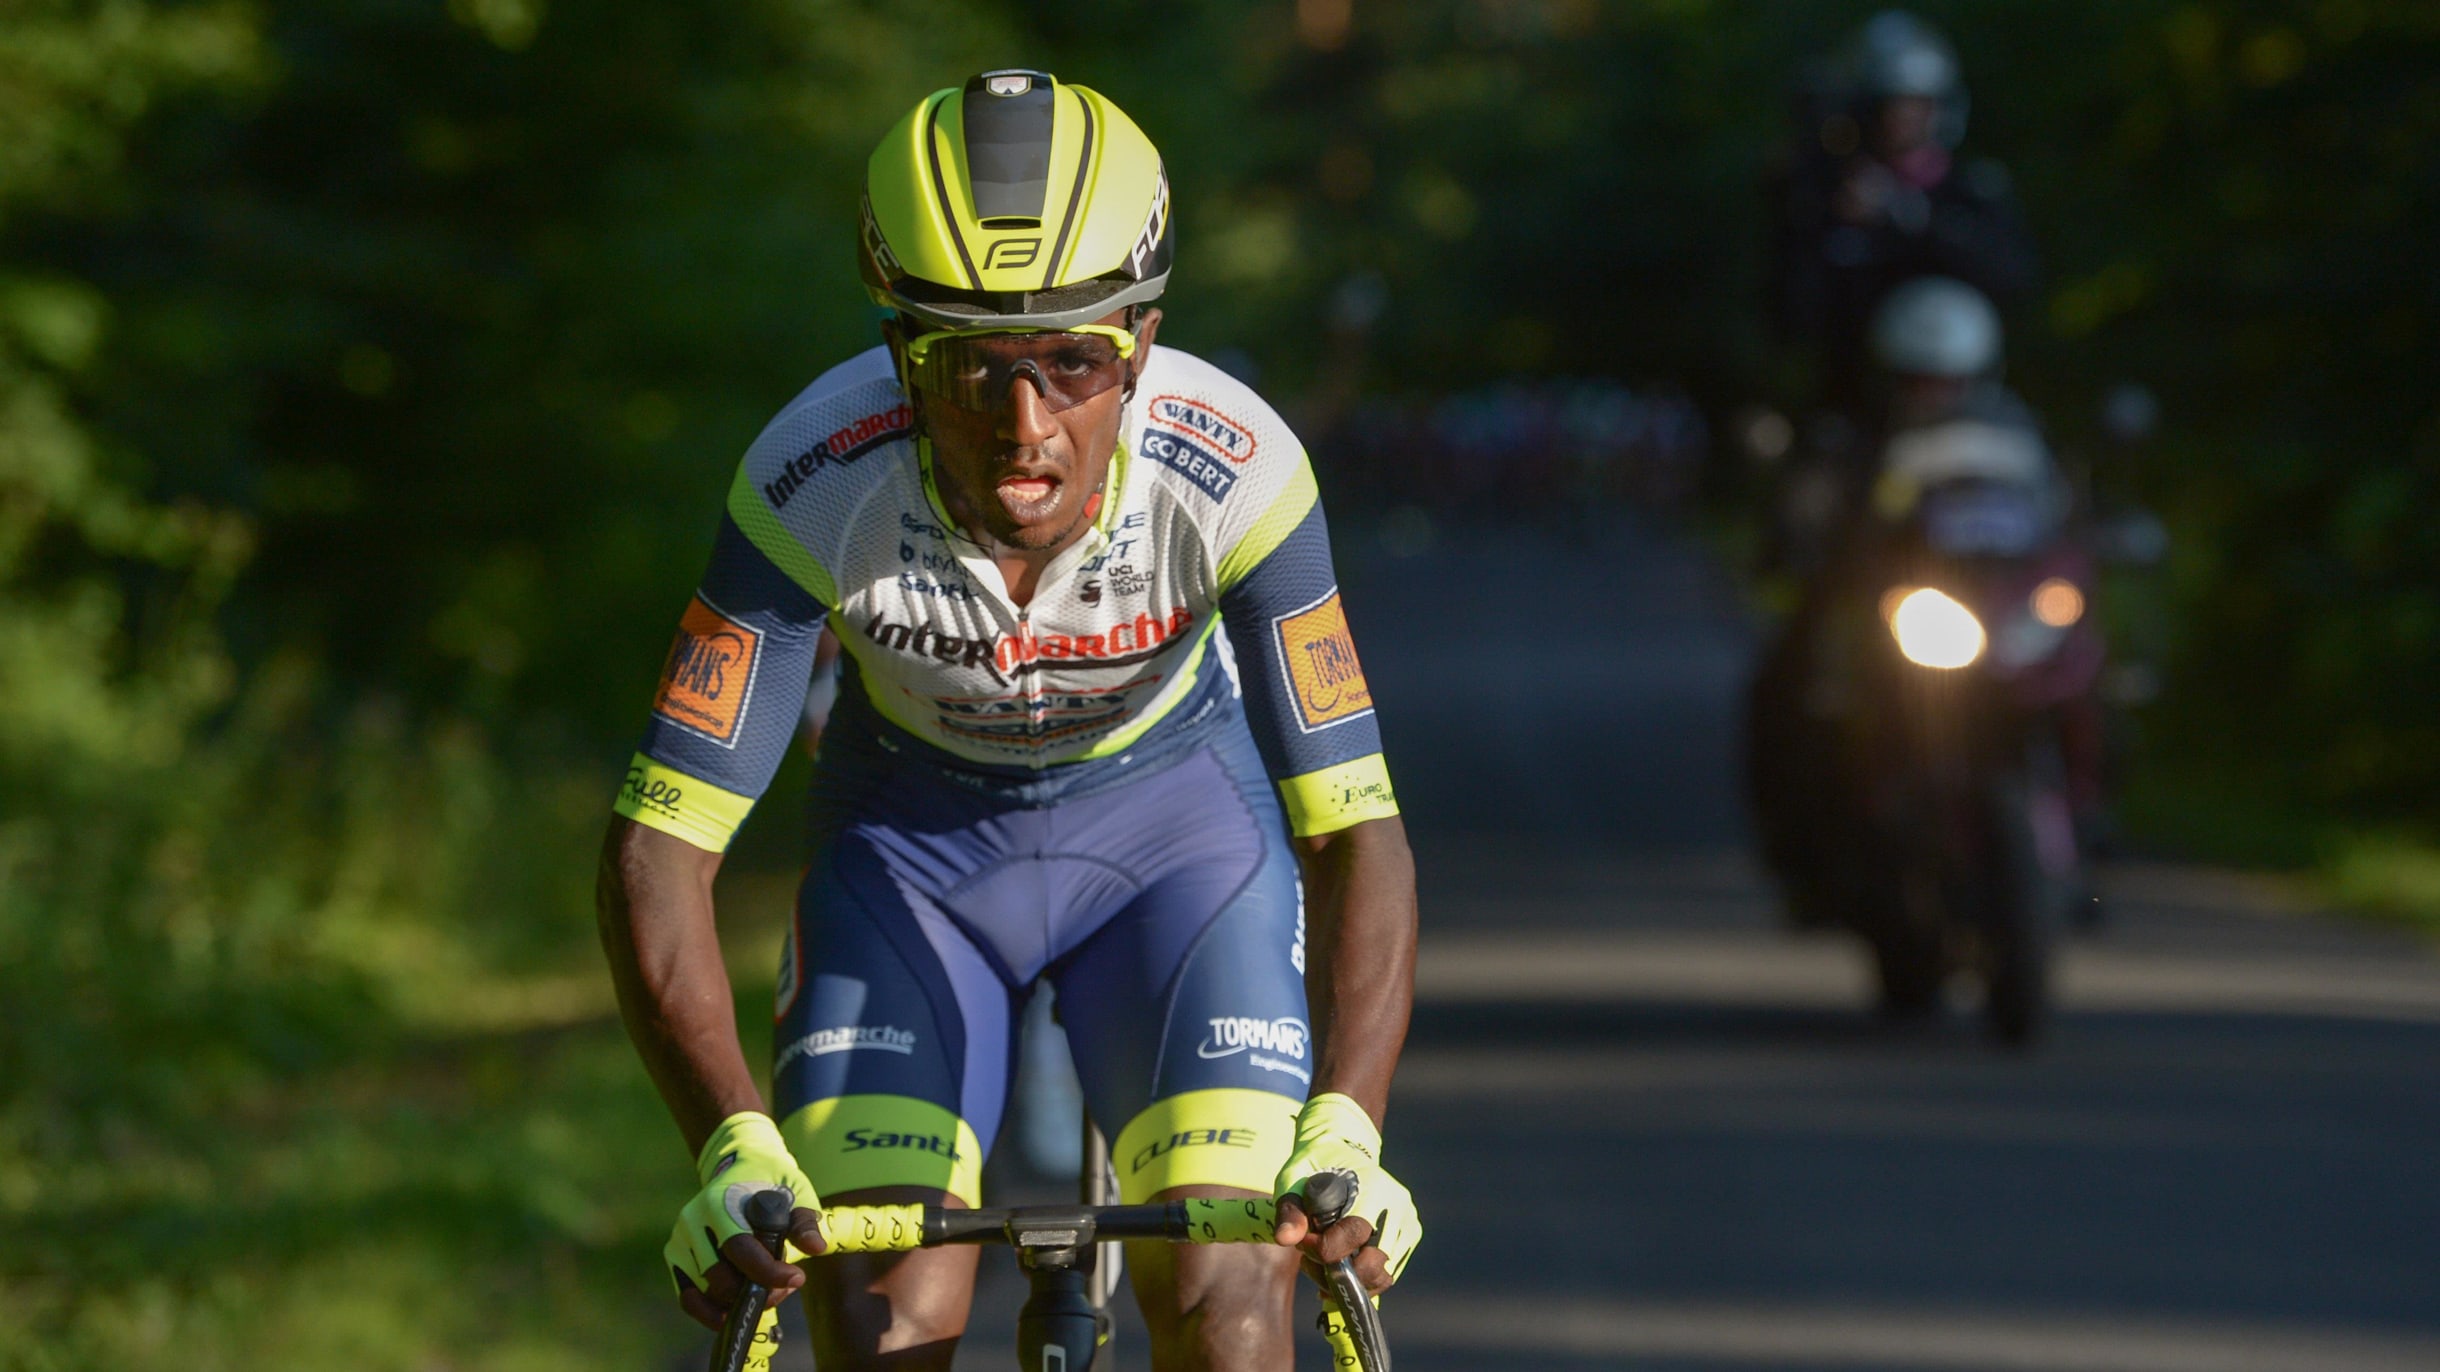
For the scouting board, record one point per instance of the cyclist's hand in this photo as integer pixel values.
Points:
(712, 1252)
(1381, 1231)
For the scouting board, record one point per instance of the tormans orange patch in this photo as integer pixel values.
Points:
(710, 673)
(1319, 656)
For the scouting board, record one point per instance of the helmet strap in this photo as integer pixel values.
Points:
(1135, 364)
(894, 335)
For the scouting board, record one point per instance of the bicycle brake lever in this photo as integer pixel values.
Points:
(1331, 1195)
(768, 1212)
(1351, 1304)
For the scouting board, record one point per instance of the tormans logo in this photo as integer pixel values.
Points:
(1272, 1045)
(1189, 1138)
(842, 447)
(1319, 657)
(710, 673)
(1234, 1034)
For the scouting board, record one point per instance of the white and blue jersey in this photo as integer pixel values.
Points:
(1094, 788)
(1212, 525)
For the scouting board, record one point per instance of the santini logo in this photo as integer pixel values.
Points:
(860, 1139)
(1235, 1034)
(847, 1040)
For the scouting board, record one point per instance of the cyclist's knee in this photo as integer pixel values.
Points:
(900, 1311)
(1220, 1307)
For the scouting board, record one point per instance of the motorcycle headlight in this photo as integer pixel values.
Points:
(1934, 630)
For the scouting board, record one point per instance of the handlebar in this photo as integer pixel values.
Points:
(1349, 1319)
(903, 1228)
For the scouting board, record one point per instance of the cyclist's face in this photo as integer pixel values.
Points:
(1021, 473)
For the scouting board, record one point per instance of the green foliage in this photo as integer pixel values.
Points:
(308, 1058)
(370, 373)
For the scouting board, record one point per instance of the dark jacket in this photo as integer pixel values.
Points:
(1828, 276)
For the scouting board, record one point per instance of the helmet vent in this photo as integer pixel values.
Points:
(1008, 145)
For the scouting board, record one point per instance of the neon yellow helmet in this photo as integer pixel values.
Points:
(1016, 201)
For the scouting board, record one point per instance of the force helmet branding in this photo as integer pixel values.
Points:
(1015, 201)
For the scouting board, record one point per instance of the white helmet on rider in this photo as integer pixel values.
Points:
(1897, 56)
(1937, 327)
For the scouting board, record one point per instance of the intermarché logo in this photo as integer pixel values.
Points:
(885, 1037)
(842, 447)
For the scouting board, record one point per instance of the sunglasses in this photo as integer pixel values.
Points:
(977, 370)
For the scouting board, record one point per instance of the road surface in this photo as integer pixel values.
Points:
(1650, 1130)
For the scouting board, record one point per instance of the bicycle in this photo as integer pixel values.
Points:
(1060, 1328)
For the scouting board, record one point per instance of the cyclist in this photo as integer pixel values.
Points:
(1068, 570)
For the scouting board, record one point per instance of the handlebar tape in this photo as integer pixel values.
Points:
(873, 1228)
(1248, 1219)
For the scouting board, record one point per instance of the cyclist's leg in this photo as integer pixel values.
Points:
(1229, 1307)
(1186, 1014)
(892, 1059)
(903, 1311)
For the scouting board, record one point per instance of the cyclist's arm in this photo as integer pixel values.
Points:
(654, 900)
(1312, 717)
(730, 696)
(1360, 956)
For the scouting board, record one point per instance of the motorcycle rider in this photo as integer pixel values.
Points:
(1875, 195)
(1941, 413)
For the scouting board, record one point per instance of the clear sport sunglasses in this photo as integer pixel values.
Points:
(975, 370)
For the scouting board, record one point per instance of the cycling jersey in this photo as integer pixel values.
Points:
(1210, 521)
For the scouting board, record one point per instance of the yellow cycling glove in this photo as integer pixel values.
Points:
(743, 1156)
(1332, 1131)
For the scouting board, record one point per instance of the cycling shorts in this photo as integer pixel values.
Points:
(1160, 900)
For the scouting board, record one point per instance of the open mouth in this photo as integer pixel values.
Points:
(1028, 497)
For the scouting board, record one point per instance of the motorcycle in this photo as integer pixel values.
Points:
(1925, 798)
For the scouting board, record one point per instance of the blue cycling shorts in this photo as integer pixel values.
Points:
(1160, 900)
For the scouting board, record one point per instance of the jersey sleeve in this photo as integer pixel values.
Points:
(1305, 693)
(730, 694)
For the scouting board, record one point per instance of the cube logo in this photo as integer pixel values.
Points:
(710, 674)
(1318, 656)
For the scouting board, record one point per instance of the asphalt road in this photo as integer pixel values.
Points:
(1651, 1130)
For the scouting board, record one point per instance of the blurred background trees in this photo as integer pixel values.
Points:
(370, 371)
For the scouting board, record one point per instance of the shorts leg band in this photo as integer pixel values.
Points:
(1222, 1136)
(850, 1143)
